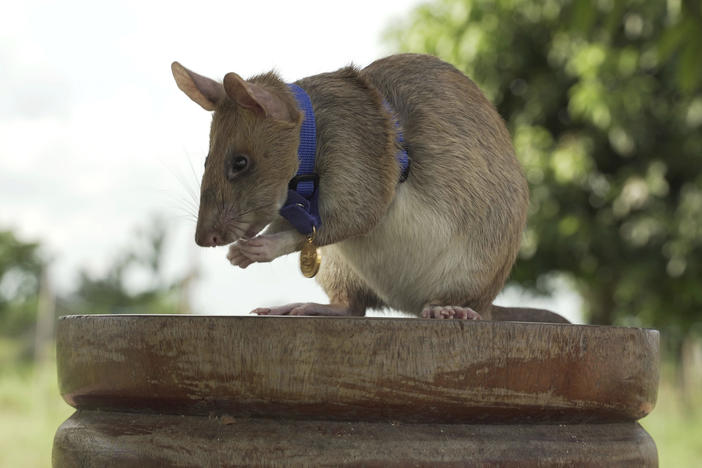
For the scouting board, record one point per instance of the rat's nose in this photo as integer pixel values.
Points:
(208, 239)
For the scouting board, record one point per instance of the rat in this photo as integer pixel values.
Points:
(436, 239)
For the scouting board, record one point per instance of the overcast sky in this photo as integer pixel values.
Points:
(95, 137)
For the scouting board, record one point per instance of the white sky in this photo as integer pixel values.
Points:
(95, 137)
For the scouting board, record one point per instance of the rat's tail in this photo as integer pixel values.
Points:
(523, 314)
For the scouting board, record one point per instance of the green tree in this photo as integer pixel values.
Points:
(25, 289)
(604, 102)
(20, 269)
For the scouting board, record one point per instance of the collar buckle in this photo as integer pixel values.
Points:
(314, 178)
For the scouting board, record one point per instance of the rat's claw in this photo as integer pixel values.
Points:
(449, 312)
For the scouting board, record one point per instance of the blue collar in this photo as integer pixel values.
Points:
(301, 208)
(401, 155)
(307, 149)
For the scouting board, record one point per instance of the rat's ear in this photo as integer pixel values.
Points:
(200, 89)
(256, 98)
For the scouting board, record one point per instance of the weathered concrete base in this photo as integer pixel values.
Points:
(107, 439)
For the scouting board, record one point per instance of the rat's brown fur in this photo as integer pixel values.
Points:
(448, 235)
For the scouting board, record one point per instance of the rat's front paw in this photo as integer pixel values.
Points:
(267, 247)
(237, 257)
(263, 248)
(260, 249)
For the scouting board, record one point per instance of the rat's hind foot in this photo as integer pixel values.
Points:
(306, 308)
(281, 310)
(449, 312)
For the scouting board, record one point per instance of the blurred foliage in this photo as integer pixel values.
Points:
(604, 102)
(111, 293)
(20, 270)
(132, 283)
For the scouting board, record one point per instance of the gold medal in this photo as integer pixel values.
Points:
(310, 258)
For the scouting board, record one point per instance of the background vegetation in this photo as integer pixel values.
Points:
(30, 402)
(604, 102)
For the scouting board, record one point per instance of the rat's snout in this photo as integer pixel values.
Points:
(209, 238)
(210, 231)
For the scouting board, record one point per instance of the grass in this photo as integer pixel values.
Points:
(31, 410)
(676, 423)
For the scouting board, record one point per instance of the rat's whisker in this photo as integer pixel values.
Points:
(197, 179)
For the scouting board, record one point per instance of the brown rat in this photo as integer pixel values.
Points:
(440, 244)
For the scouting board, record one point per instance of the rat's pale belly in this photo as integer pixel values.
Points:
(415, 255)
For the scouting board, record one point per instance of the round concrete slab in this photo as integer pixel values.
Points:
(358, 369)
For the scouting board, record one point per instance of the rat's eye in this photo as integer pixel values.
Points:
(238, 163)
